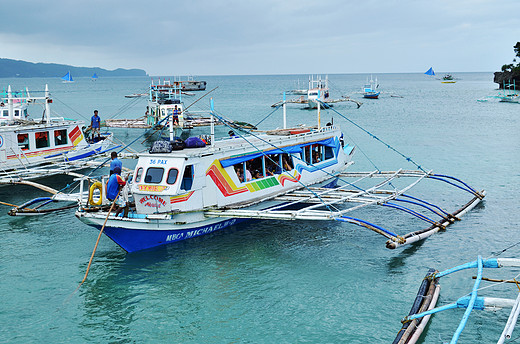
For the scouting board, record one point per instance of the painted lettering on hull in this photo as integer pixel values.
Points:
(200, 231)
(152, 201)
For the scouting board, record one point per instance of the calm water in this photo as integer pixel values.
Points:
(268, 281)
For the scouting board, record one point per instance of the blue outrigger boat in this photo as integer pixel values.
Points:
(426, 300)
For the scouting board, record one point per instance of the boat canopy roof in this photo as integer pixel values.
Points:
(330, 142)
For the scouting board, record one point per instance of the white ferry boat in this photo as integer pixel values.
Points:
(172, 191)
(286, 174)
(27, 143)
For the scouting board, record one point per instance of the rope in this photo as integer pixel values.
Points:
(409, 159)
(99, 237)
(269, 115)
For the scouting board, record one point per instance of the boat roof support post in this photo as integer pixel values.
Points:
(319, 109)
(10, 103)
(47, 104)
(212, 121)
(284, 112)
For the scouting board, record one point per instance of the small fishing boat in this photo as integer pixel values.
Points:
(369, 90)
(426, 300)
(512, 96)
(67, 77)
(32, 148)
(181, 190)
(448, 79)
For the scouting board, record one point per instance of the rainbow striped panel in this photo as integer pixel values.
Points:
(76, 136)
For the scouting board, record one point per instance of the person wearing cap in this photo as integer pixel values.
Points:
(231, 134)
(115, 163)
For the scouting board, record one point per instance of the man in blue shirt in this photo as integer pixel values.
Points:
(95, 124)
(113, 184)
(115, 163)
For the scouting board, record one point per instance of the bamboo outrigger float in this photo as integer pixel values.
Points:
(428, 294)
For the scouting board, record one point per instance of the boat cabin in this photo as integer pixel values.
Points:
(233, 171)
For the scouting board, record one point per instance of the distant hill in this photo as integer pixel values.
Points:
(22, 69)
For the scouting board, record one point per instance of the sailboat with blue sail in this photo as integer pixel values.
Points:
(94, 77)
(430, 72)
(67, 77)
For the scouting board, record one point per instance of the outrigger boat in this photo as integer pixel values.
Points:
(164, 101)
(369, 90)
(284, 174)
(31, 149)
(426, 300)
(318, 90)
(448, 79)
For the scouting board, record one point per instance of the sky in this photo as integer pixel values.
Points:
(241, 37)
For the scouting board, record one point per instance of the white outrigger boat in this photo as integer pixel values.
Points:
(31, 149)
(164, 99)
(318, 90)
(293, 175)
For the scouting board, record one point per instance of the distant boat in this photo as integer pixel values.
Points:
(67, 77)
(94, 77)
(430, 71)
(448, 79)
(369, 90)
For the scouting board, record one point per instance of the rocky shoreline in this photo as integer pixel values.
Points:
(502, 78)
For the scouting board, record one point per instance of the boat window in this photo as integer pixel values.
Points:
(60, 137)
(307, 154)
(42, 139)
(138, 174)
(287, 162)
(329, 153)
(23, 141)
(317, 154)
(187, 178)
(154, 175)
(172, 176)
(16, 113)
(5, 113)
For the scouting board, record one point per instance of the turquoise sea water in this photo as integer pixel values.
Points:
(272, 281)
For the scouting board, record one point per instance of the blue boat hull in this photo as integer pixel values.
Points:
(132, 240)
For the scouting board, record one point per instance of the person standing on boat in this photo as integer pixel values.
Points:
(95, 124)
(114, 185)
(175, 116)
(115, 163)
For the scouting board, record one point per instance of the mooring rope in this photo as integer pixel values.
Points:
(409, 159)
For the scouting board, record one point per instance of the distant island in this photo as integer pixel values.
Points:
(510, 73)
(22, 69)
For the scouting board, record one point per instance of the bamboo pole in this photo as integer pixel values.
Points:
(99, 237)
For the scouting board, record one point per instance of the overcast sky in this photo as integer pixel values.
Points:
(215, 37)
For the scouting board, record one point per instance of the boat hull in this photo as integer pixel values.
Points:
(371, 95)
(138, 239)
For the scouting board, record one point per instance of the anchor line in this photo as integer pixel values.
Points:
(269, 115)
(409, 159)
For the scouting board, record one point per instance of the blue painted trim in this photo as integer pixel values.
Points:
(471, 303)
(359, 222)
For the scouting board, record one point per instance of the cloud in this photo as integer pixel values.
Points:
(245, 37)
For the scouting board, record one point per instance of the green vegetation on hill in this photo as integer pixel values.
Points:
(512, 67)
(22, 69)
